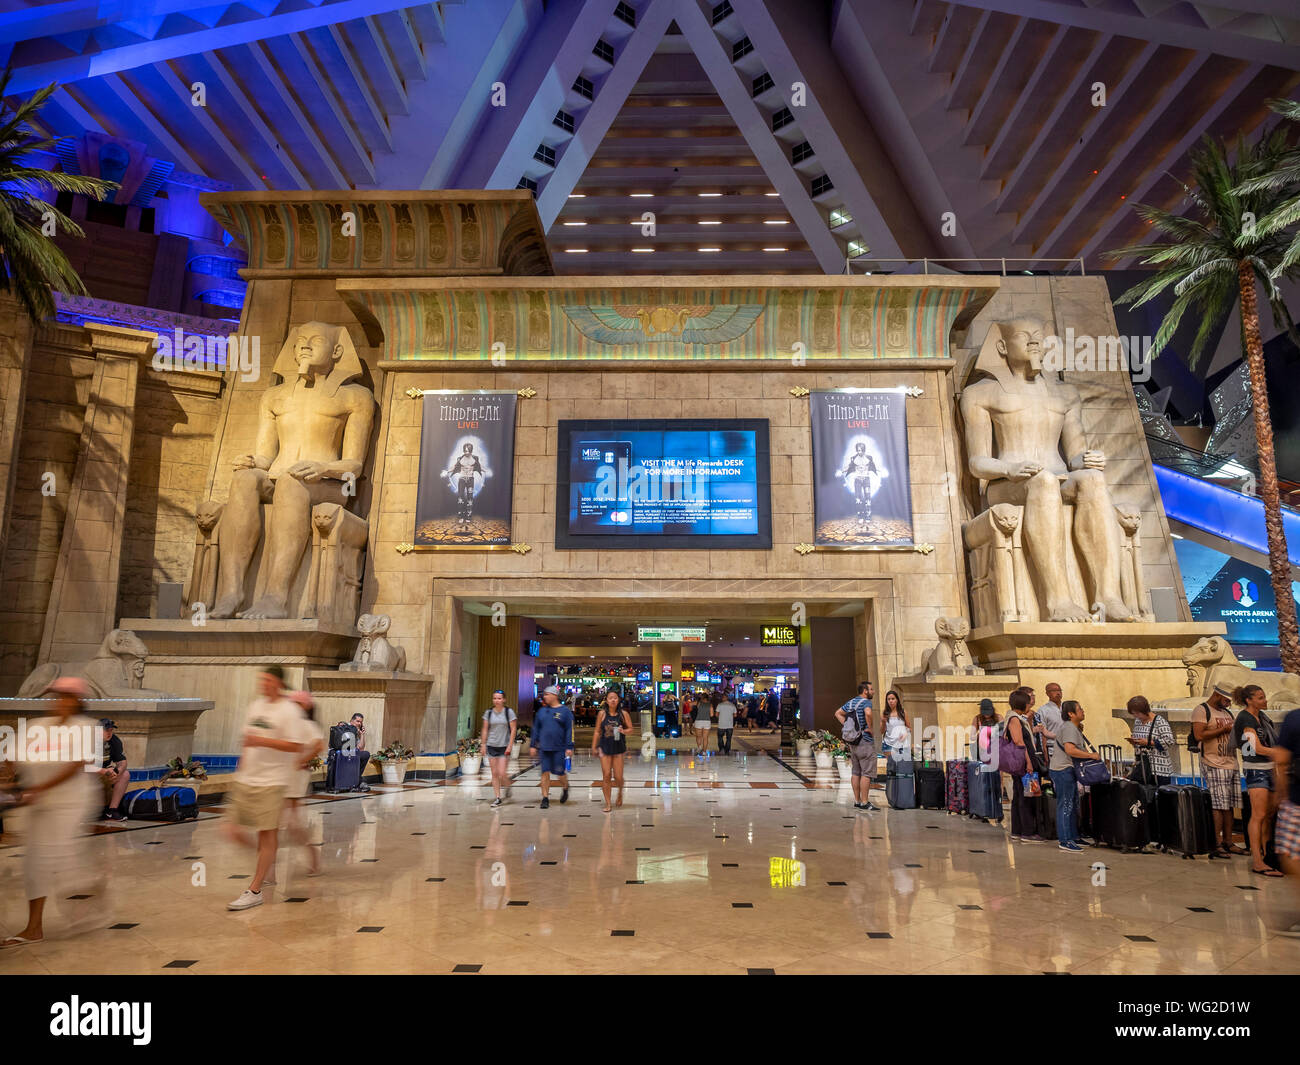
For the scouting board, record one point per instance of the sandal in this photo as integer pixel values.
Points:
(18, 941)
(1266, 872)
(1234, 849)
(604, 809)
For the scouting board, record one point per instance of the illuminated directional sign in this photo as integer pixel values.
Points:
(780, 636)
(669, 634)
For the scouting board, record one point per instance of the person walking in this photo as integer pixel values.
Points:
(726, 724)
(862, 755)
(1154, 738)
(60, 794)
(298, 781)
(1024, 808)
(1068, 745)
(1212, 724)
(552, 735)
(609, 741)
(703, 722)
(500, 723)
(257, 791)
(1256, 736)
(1286, 757)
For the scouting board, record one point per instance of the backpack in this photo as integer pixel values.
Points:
(1193, 745)
(849, 732)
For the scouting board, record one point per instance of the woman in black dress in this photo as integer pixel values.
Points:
(612, 725)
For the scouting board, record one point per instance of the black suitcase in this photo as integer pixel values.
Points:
(1123, 813)
(343, 772)
(162, 803)
(1047, 814)
(1186, 819)
(931, 788)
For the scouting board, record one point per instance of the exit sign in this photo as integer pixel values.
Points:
(779, 636)
(669, 634)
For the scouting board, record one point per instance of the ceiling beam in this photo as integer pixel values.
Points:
(180, 90)
(1146, 70)
(1032, 97)
(335, 57)
(404, 45)
(162, 136)
(594, 122)
(994, 92)
(430, 26)
(273, 146)
(112, 60)
(753, 125)
(377, 65)
(1180, 33)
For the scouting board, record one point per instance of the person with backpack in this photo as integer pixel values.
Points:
(1211, 738)
(1256, 736)
(855, 729)
(500, 723)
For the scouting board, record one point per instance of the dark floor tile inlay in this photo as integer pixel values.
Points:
(634, 881)
(190, 857)
(478, 847)
(296, 900)
(569, 835)
(516, 902)
(240, 876)
(836, 883)
(548, 863)
(731, 865)
(623, 932)
(807, 850)
(1140, 939)
(911, 865)
(371, 928)
(419, 833)
(643, 848)
(434, 879)
(742, 905)
(979, 852)
(70, 897)
(760, 972)
(467, 968)
(879, 935)
(1040, 885)
(181, 963)
(1246, 887)
(1200, 909)
(970, 907)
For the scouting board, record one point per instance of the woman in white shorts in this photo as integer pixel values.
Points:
(703, 722)
(299, 787)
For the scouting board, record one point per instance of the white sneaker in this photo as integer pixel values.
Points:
(246, 901)
(1293, 931)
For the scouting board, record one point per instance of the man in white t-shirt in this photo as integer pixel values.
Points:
(266, 766)
(726, 722)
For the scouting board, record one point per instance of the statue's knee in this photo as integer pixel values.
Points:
(245, 482)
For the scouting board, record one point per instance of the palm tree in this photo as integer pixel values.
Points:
(31, 264)
(1284, 176)
(1215, 255)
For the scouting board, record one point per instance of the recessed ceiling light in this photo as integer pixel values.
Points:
(704, 194)
(576, 251)
(709, 222)
(641, 195)
(776, 221)
(771, 194)
(575, 223)
(643, 249)
(710, 249)
(577, 195)
(774, 249)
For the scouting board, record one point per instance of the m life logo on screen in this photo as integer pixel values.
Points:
(83, 1019)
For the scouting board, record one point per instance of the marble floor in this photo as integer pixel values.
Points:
(724, 864)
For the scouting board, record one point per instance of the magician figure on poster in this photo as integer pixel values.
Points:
(466, 469)
(862, 492)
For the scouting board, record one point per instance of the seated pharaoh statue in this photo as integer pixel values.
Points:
(1051, 545)
(292, 491)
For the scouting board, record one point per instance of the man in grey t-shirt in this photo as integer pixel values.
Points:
(1049, 717)
(726, 723)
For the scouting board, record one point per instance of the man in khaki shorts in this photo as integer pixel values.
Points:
(257, 792)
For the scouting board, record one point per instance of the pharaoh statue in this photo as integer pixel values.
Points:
(1026, 446)
(313, 431)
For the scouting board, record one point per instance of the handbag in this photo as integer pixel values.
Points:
(1032, 784)
(1011, 758)
(1090, 771)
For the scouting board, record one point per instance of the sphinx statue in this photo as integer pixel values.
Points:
(292, 492)
(1051, 544)
(1211, 661)
(951, 656)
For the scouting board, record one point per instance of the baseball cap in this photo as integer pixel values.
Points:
(70, 686)
(986, 707)
(552, 690)
(107, 722)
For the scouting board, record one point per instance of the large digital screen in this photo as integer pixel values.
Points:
(1221, 588)
(659, 483)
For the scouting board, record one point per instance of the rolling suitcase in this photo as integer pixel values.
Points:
(1047, 812)
(1186, 820)
(162, 804)
(929, 782)
(1124, 814)
(343, 772)
(985, 791)
(900, 785)
(958, 793)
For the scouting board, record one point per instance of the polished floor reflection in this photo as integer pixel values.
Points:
(716, 865)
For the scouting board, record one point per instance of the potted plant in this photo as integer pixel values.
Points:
(521, 740)
(392, 762)
(823, 749)
(471, 757)
(803, 742)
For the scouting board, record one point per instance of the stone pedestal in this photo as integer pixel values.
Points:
(153, 731)
(1100, 665)
(219, 661)
(949, 701)
(393, 705)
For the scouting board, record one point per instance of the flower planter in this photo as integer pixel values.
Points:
(394, 771)
(803, 748)
(517, 749)
(824, 759)
(471, 764)
(845, 768)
